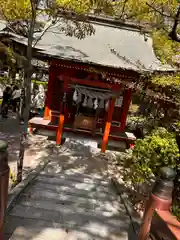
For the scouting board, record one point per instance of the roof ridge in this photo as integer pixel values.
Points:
(106, 20)
(117, 22)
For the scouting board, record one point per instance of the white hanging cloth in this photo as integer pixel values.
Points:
(91, 97)
(95, 103)
(90, 102)
(85, 101)
(79, 99)
(75, 96)
(101, 104)
(107, 105)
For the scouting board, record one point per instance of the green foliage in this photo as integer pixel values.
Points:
(157, 16)
(171, 80)
(21, 9)
(135, 121)
(4, 81)
(12, 177)
(143, 10)
(15, 9)
(177, 127)
(86, 6)
(167, 87)
(176, 210)
(39, 82)
(164, 47)
(151, 153)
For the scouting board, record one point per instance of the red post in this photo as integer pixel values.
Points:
(63, 113)
(108, 125)
(160, 198)
(4, 182)
(125, 107)
(48, 102)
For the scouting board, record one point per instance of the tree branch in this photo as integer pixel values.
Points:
(123, 9)
(46, 28)
(161, 13)
(173, 34)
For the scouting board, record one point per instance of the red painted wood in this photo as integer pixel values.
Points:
(109, 71)
(56, 62)
(1, 235)
(60, 129)
(125, 106)
(63, 112)
(48, 102)
(115, 87)
(108, 125)
(171, 223)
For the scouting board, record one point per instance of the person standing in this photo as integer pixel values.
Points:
(16, 94)
(5, 102)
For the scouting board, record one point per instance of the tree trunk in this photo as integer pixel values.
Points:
(174, 32)
(27, 89)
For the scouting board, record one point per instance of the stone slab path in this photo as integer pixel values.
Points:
(71, 199)
(10, 130)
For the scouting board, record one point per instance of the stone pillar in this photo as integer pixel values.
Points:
(4, 182)
(160, 198)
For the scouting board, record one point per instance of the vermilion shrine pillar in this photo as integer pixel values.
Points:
(108, 124)
(48, 101)
(125, 107)
(63, 112)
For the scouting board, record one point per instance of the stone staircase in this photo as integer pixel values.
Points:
(71, 199)
(64, 206)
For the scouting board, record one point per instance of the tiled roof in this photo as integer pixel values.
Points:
(118, 47)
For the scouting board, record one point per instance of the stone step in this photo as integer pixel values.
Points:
(70, 217)
(92, 202)
(76, 177)
(41, 230)
(54, 191)
(88, 186)
(65, 210)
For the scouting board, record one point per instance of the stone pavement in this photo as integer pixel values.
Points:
(71, 199)
(10, 130)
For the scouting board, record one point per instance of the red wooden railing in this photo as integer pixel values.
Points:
(157, 219)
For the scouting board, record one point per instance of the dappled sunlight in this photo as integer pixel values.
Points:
(71, 198)
(77, 157)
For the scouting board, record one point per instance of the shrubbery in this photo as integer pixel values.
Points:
(151, 153)
(154, 151)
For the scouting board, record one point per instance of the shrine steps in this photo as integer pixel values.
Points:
(62, 206)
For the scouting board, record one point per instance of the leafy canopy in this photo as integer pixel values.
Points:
(21, 9)
(159, 17)
(15, 9)
(146, 10)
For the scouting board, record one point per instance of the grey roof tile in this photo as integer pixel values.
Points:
(109, 46)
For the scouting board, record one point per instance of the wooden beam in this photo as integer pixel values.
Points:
(95, 83)
(108, 125)
(126, 103)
